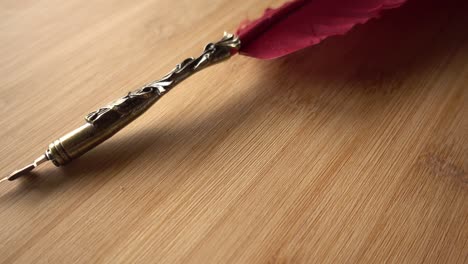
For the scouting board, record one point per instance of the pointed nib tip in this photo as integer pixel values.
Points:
(4, 179)
(18, 173)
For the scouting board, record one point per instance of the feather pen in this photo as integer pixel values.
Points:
(293, 26)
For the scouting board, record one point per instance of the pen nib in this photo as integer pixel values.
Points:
(18, 173)
(4, 179)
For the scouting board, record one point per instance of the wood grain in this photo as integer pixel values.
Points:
(352, 151)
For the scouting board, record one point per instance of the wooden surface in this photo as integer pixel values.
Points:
(354, 150)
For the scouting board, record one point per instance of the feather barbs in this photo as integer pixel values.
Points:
(299, 24)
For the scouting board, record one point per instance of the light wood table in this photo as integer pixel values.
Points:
(354, 150)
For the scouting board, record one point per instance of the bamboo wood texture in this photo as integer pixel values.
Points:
(353, 151)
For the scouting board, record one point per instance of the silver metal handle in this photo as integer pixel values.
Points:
(108, 120)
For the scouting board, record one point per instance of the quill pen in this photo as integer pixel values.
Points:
(294, 26)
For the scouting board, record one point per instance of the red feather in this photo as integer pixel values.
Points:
(301, 23)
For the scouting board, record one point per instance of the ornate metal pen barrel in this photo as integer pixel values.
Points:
(105, 122)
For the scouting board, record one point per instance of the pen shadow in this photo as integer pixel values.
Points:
(364, 64)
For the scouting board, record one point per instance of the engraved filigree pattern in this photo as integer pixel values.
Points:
(136, 102)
